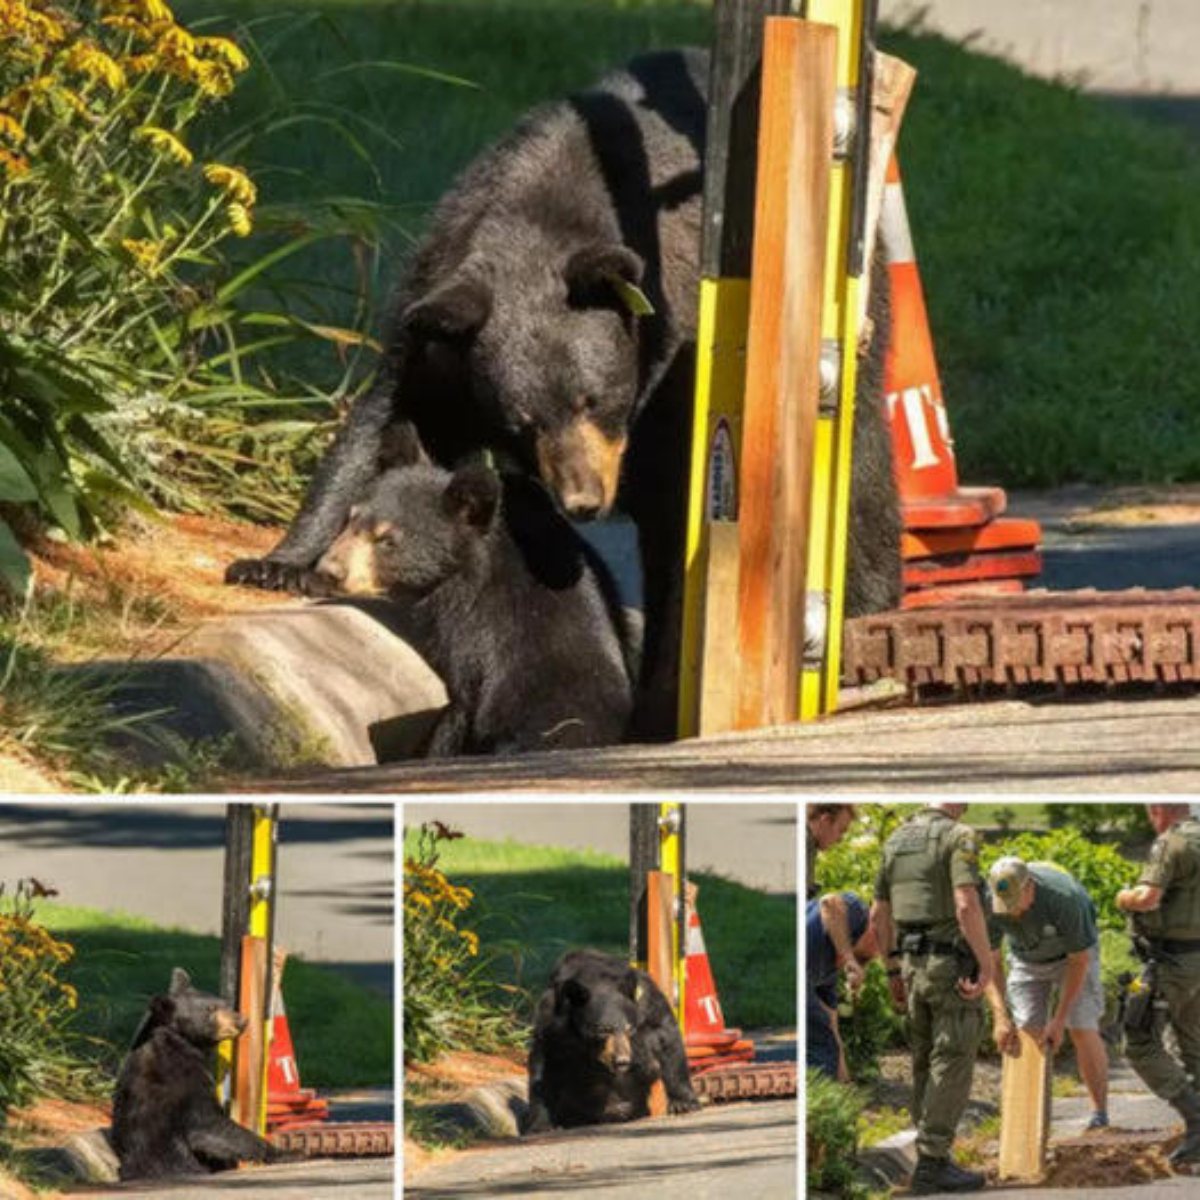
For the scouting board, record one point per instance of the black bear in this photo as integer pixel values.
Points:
(500, 595)
(550, 315)
(602, 1034)
(166, 1119)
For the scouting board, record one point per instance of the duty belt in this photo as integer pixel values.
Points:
(917, 941)
(1174, 945)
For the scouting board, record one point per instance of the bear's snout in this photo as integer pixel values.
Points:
(230, 1024)
(350, 563)
(617, 1051)
(581, 465)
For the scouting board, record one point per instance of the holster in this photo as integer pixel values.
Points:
(1139, 1006)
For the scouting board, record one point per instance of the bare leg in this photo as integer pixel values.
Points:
(1092, 1058)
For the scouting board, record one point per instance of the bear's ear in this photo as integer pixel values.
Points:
(399, 446)
(600, 273)
(455, 310)
(473, 496)
(572, 992)
(162, 1009)
(180, 982)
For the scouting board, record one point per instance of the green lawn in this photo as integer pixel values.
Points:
(343, 1033)
(1058, 237)
(536, 902)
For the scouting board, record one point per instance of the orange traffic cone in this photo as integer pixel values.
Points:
(954, 540)
(288, 1104)
(708, 1042)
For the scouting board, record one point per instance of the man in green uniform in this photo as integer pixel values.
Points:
(826, 825)
(1048, 922)
(928, 912)
(1165, 912)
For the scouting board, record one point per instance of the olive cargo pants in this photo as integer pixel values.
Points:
(1179, 986)
(945, 1032)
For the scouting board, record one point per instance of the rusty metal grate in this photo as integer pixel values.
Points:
(339, 1139)
(1060, 638)
(746, 1082)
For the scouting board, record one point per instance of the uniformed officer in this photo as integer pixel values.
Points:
(1165, 911)
(826, 825)
(928, 911)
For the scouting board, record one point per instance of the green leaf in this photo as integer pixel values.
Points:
(631, 295)
(15, 571)
(15, 484)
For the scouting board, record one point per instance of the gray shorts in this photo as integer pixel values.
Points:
(1030, 986)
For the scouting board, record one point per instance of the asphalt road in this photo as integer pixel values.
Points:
(724, 1151)
(337, 1179)
(752, 843)
(163, 861)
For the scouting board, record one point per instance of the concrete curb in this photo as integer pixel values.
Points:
(335, 685)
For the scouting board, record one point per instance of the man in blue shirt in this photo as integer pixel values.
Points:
(838, 938)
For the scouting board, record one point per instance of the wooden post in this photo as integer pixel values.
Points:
(251, 1047)
(725, 250)
(1024, 1112)
(783, 364)
(660, 961)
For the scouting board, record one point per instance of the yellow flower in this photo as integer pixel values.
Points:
(156, 10)
(13, 164)
(140, 64)
(166, 143)
(232, 181)
(174, 39)
(144, 252)
(239, 219)
(10, 128)
(228, 52)
(128, 24)
(88, 59)
(46, 28)
(472, 940)
(213, 78)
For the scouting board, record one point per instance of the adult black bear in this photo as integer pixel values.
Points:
(602, 1034)
(166, 1119)
(521, 326)
(503, 598)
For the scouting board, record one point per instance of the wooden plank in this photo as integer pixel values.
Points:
(1024, 1112)
(718, 682)
(894, 82)
(783, 361)
(660, 900)
(251, 1047)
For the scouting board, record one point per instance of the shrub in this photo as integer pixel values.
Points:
(832, 1111)
(37, 1007)
(868, 1024)
(123, 351)
(1091, 819)
(448, 1001)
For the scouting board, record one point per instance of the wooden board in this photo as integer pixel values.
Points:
(660, 954)
(718, 681)
(783, 361)
(251, 1048)
(1024, 1113)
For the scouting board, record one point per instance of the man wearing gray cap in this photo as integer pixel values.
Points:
(1048, 921)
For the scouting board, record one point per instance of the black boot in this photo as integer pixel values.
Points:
(1187, 1105)
(935, 1175)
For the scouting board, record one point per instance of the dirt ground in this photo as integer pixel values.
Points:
(160, 577)
(447, 1079)
(48, 1123)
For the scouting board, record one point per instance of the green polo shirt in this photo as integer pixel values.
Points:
(1060, 921)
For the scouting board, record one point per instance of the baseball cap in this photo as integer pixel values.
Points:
(1006, 880)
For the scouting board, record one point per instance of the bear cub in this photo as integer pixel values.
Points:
(499, 594)
(603, 1033)
(166, 1119)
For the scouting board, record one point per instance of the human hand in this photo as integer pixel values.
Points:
(1008, 1041)
(855, 975)
(1052, 1036)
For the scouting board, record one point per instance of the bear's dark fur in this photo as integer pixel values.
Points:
(502, 598)
(602, 1034)
(166, 1119)
(515, 329)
